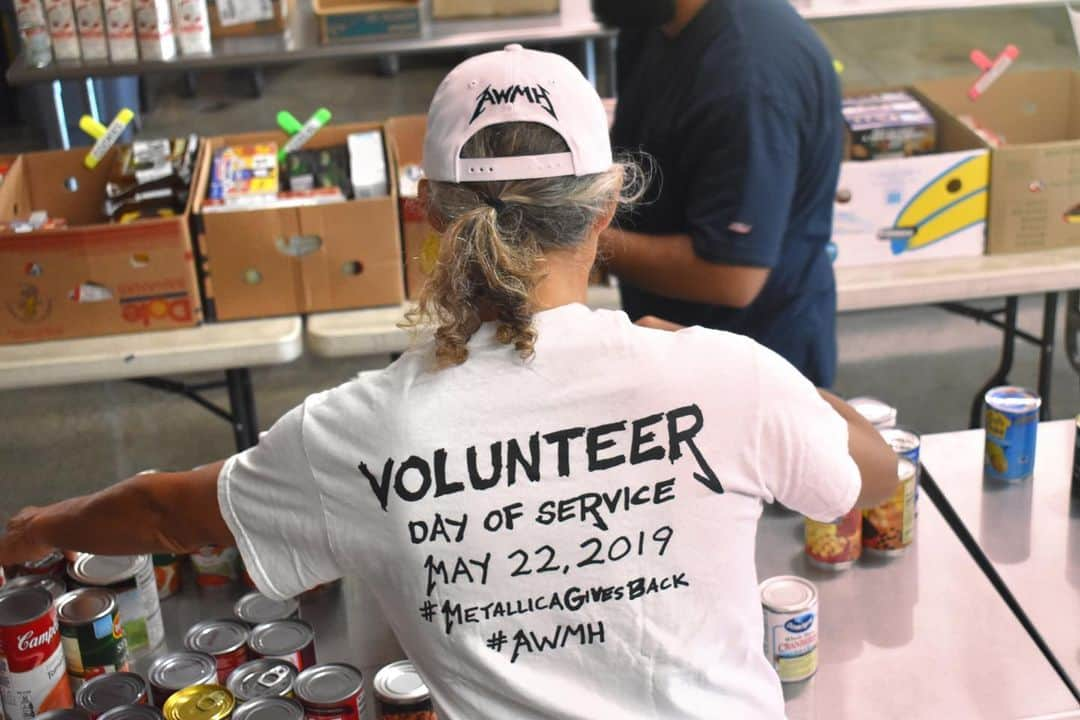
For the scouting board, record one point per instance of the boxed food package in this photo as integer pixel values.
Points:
(298, 255)
(887, 125)
(60, 16)
(87, 276)
(420, 240)
(120, 28)
(492, 8)
(351, 20)
(191, 23)
(1034, 118)
(239, 18)
(91, 22)
(915, 208)
(154, 30)
(33, 31)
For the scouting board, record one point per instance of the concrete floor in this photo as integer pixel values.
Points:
(58, 441)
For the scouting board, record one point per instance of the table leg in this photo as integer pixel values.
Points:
(590, 61)
(1046, 353)
(1008, 351)
(61, 114)
(242, 406)
(1072, 329)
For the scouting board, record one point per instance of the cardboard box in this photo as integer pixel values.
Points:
(351, 20)
(406, 139)
(93, 278)
(265, 262)
(1035, 176)
(442, 9)
(916, 208)
(250, 17)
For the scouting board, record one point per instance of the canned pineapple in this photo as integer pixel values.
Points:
(835, 545)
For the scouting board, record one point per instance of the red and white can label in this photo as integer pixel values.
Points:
(352, 709)
(33, 675)
(229, 661)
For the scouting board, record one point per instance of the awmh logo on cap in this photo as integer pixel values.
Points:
(536, 94)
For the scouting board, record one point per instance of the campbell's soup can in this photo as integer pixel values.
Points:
(835, 545)
(200, 702)
(99, 695)
(1012, 425)
(331, 692)
(175, 671)
(166, 574)
(290, 640)
(32, 677)
(223, 640)
(267, 677)
(54, 586)
(215, 566)
(91, 634)
(790, 608)
(131, 579)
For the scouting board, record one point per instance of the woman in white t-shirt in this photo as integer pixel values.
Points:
(555, 508)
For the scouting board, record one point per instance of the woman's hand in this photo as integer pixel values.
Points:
(17, 544)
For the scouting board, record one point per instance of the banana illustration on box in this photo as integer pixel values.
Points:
(1072, 215)
(950, 203)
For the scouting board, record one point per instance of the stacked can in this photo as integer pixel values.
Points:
(401, 693)
(877, 412)
(264, 678)
(256, 609)
(215, 566)
(132, 712)
(906, 443)
(131, 579)
(790, 606)
(64, 714)
(1012, 424)
(167, 574)
(32, 677)
(290, 640)
(91, 634)
(271, 708)
(889, 528)
(50, 584)
(200, 702)
(835, 545)
(331, 692)
(175, 671)
(99, 695)
(223, 640)
(54, 564)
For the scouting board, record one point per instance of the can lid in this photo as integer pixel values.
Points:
(327, 684)
(132, 712)
(269, 708)
(1013, 399)
(64, 714)
(181, 669)
(901, 440)
(105, 569)
(266, 677)
(905, 470)
(21, 605)
(877, 412)
(280, 637)
(85, 605)
(787, 593)
(43, 562)
(255, 608)
(108, 691)
(400, 684)
(200, 702)
(216, 636)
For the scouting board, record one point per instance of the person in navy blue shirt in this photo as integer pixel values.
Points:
(738, 103)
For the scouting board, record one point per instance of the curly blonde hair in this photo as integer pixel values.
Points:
(497, 232)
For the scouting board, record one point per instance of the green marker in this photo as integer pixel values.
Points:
(300, 133)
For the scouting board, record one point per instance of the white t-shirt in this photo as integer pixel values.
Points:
(568, 537)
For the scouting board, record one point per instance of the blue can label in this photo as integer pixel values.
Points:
(1010, 439)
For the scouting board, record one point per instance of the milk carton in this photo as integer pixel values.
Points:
(154, 29)
(120, 27)
(91, 23)
(191, 20)
(60, 16)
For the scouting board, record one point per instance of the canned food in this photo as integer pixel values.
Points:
(401, 693)
(50, 584)
(906, 444)
(835, 545)
(105, 692)
(52, 564)
(178, 670)
(91, 634)
(215, 566)
(331, 691)
(1012, 424)
(166, 574)
(200, 702)
(64, 714)
(131, 578)
(133, 712)
(223, 640)
(256, 609)
(790, 606)
(877, 412)
(889, 528)
(290, 640)
(269, 708)
(32, 677)
(266, 677)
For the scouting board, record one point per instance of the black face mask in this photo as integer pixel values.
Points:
(634, 13)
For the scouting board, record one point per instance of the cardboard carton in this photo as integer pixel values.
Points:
(915, 208)
(250, 17)
(352, 20)
(1035, 176)
(406, 139)
(282, 261)
(92, 278)
(492, 8)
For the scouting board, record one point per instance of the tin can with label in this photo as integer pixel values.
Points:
(105, 692)
(200, 702)
(256, 609)
(1012, 424)
(331, 692)
(889, 528)
(215, 566)
(50, 584)
(32, 677)
(290, 640)
(166, 575)
(790, 606)
(223, 640)
(131, 578)
(268, 677)
(64, 714)
(133, 712)
(835, 545)
(91, 634)
(877, 412)
(401, 693)
(271, 708)
(54, 564)
(906, 444)
(175, 671)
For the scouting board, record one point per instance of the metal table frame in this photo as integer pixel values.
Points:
(241, 414)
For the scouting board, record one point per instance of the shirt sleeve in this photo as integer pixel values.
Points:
(272, 504)
(744, 168)
(803, 457)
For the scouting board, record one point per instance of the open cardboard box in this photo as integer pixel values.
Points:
(276, 22)
(94, 277)
(442, 9)
(1035, 176)
(915, 208)
(353, 20)
(265, 262)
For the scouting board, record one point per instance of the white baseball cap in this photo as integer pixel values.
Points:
(516, 85)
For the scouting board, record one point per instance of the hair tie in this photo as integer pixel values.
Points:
(495, 203)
